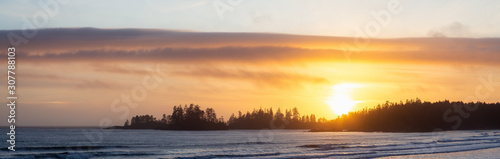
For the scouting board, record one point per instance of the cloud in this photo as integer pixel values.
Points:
(260, 18)
(112, 68)
(31, 79)
(90, 44)
(455, 29)
(95, 84)
(463, 53)
(66, 39)
(192, 55)
(277, 79)
(45, 76)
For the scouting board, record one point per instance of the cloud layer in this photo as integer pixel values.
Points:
(183, 47)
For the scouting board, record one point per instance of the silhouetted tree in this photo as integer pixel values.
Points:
(127, 123)
(188, 118)
(265, 119)
(210, 115)
(416, 115)
(412, 115)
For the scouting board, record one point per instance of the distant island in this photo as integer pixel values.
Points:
(409, 116)
(192, 117)
(188, 118)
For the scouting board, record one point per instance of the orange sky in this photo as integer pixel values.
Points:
(70, 77)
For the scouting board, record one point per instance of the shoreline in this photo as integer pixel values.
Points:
(306, 130)
(481, 153)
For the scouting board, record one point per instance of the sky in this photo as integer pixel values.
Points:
(241, 55)
(319, 17)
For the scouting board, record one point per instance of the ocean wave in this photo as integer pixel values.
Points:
(327, 146)
(342, 146)
(406, 146)
(449, 149)
(329, 155)
(231, 156)
(475, 138)
(79, 155)
(67, 148)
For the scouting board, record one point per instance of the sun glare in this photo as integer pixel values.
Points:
(340, 100)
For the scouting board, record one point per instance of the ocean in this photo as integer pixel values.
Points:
(118, 143)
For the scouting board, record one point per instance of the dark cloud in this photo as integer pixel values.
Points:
(64, 39)
(277, 55)
(90, 44)
(183, 55)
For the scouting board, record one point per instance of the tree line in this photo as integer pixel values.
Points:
(192, 117)
(267, 119)
(410, 116)
(418, 116)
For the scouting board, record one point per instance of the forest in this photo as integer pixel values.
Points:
(266, 119)
(410, 116)
(192, 117)
(418, 116)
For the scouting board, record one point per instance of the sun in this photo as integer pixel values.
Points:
(340, 100)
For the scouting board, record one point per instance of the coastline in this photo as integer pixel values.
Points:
(306, 130)
(481, 153)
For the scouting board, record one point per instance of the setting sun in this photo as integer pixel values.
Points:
(340, 100)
